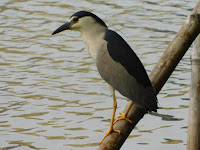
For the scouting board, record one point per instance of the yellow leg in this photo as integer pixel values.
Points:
(112, 120)
(123, 115)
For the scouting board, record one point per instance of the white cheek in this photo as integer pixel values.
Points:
(74, 27)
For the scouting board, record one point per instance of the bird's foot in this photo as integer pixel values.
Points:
(122, 116)
(108, 132)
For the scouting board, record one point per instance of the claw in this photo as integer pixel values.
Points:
(108, 132)
(122, 116)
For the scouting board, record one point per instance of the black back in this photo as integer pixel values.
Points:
(121, 52)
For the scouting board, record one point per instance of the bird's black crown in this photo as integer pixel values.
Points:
(81, 14)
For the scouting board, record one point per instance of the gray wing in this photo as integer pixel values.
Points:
(128, 74)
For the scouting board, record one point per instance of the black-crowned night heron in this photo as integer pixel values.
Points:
(116, 62)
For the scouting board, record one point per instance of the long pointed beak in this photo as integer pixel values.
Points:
(65, 26)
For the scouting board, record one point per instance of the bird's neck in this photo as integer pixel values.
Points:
(94, 38)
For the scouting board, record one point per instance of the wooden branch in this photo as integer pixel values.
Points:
(158, 77)
(175, 52)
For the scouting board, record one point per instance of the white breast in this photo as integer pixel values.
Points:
(95, 42)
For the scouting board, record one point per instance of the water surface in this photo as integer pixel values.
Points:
(51, 96)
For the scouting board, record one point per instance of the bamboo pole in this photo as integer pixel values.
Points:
(193, 139)
(158, 77)
(193, 142)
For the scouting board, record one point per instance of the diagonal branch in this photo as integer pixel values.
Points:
(158, 77)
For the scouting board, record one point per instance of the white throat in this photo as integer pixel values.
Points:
(94, 38)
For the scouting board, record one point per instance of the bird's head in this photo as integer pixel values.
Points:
(81, 21)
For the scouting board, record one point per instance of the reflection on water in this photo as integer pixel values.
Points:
(51, 96)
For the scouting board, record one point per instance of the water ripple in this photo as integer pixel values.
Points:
(51, 94)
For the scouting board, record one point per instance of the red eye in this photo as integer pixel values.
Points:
(75, 19)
